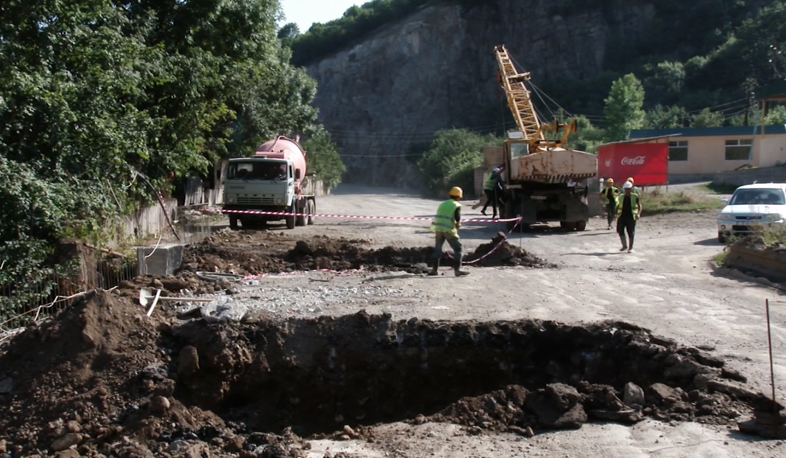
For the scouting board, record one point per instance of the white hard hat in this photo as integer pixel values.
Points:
(627, 185)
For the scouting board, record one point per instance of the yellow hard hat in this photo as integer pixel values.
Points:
(630, 179)
(456, 192)
(610, 180)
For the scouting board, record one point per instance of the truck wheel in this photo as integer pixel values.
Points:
(721, 237)
(291, 218)
(301, 220)
(568, 226)
(233, 223)
(581, 225)
(312, 208)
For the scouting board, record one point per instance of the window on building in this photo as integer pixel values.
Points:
(738, 150)
(678, 151)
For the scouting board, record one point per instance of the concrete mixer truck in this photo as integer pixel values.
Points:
(272, 180)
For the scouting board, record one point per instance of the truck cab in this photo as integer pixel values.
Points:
(259, 184)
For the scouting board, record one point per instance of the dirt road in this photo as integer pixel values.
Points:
(666, 285)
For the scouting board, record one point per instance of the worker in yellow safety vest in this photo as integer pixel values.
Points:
(628, 212)
(446, 225)
(610, 194)
(493, 190)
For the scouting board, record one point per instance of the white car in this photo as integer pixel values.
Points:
(752, 208)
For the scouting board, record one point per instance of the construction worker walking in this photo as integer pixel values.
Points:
(445, 226)
(611, 194)
(492, 189)
(628, 212)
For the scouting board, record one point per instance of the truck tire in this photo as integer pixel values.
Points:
(312, 208)
(301, 220)
(568, 226)
(581, 226)
(233, 223)
(291, 218)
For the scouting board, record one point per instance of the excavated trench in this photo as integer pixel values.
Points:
(318, 375)
(105, 378)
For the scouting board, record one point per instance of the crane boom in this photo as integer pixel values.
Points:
(519, 100)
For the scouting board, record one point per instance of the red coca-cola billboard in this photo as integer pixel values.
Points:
(647, 163)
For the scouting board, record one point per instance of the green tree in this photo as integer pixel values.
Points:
(452, 158)
(288, 34)
(776, 115)
(587, 137)
(97, 90)
(624, 107)
(662, 117)
(666, 82)
(707, 118)
(323, 158)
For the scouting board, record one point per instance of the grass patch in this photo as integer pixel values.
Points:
(720, 258)
(658, 202)
(715, 188)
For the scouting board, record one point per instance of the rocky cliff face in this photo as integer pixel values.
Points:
(436, 69)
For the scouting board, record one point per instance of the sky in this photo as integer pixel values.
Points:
(306, 12)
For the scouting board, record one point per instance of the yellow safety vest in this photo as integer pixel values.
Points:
(634, 204)
(445, 221)
(490, 182)
(614, 192)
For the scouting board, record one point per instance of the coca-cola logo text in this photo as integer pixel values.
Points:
(638, 160)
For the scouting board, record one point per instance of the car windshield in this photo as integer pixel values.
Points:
(761, 196)
(257, 170)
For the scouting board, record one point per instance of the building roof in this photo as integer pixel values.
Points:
(638, 140)
(729, 131)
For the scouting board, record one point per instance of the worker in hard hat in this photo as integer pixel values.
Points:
(493, 190)
(446, 225)
(610, 194)
(628, 212)
(634, 189)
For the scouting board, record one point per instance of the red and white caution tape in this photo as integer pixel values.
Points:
(325, 215)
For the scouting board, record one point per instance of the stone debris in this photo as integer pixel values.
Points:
(106, 380)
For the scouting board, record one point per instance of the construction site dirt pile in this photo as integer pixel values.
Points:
(104, 378)
(267, 252)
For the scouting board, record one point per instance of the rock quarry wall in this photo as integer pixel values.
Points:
(385, 96)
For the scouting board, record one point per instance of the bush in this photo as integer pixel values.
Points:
(323, 158)
(452, 158)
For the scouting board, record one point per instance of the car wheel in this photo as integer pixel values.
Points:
(721, 237)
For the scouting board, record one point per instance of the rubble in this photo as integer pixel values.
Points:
(267, 252)
(102, 378)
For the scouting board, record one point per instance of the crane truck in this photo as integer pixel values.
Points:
(272, 180)
(544, 181)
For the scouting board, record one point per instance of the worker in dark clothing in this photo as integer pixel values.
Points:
(445, 226)
(628, 212)
(610, 194)
(493, 190)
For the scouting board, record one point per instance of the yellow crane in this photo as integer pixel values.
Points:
(520, 104)
(544, 181)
